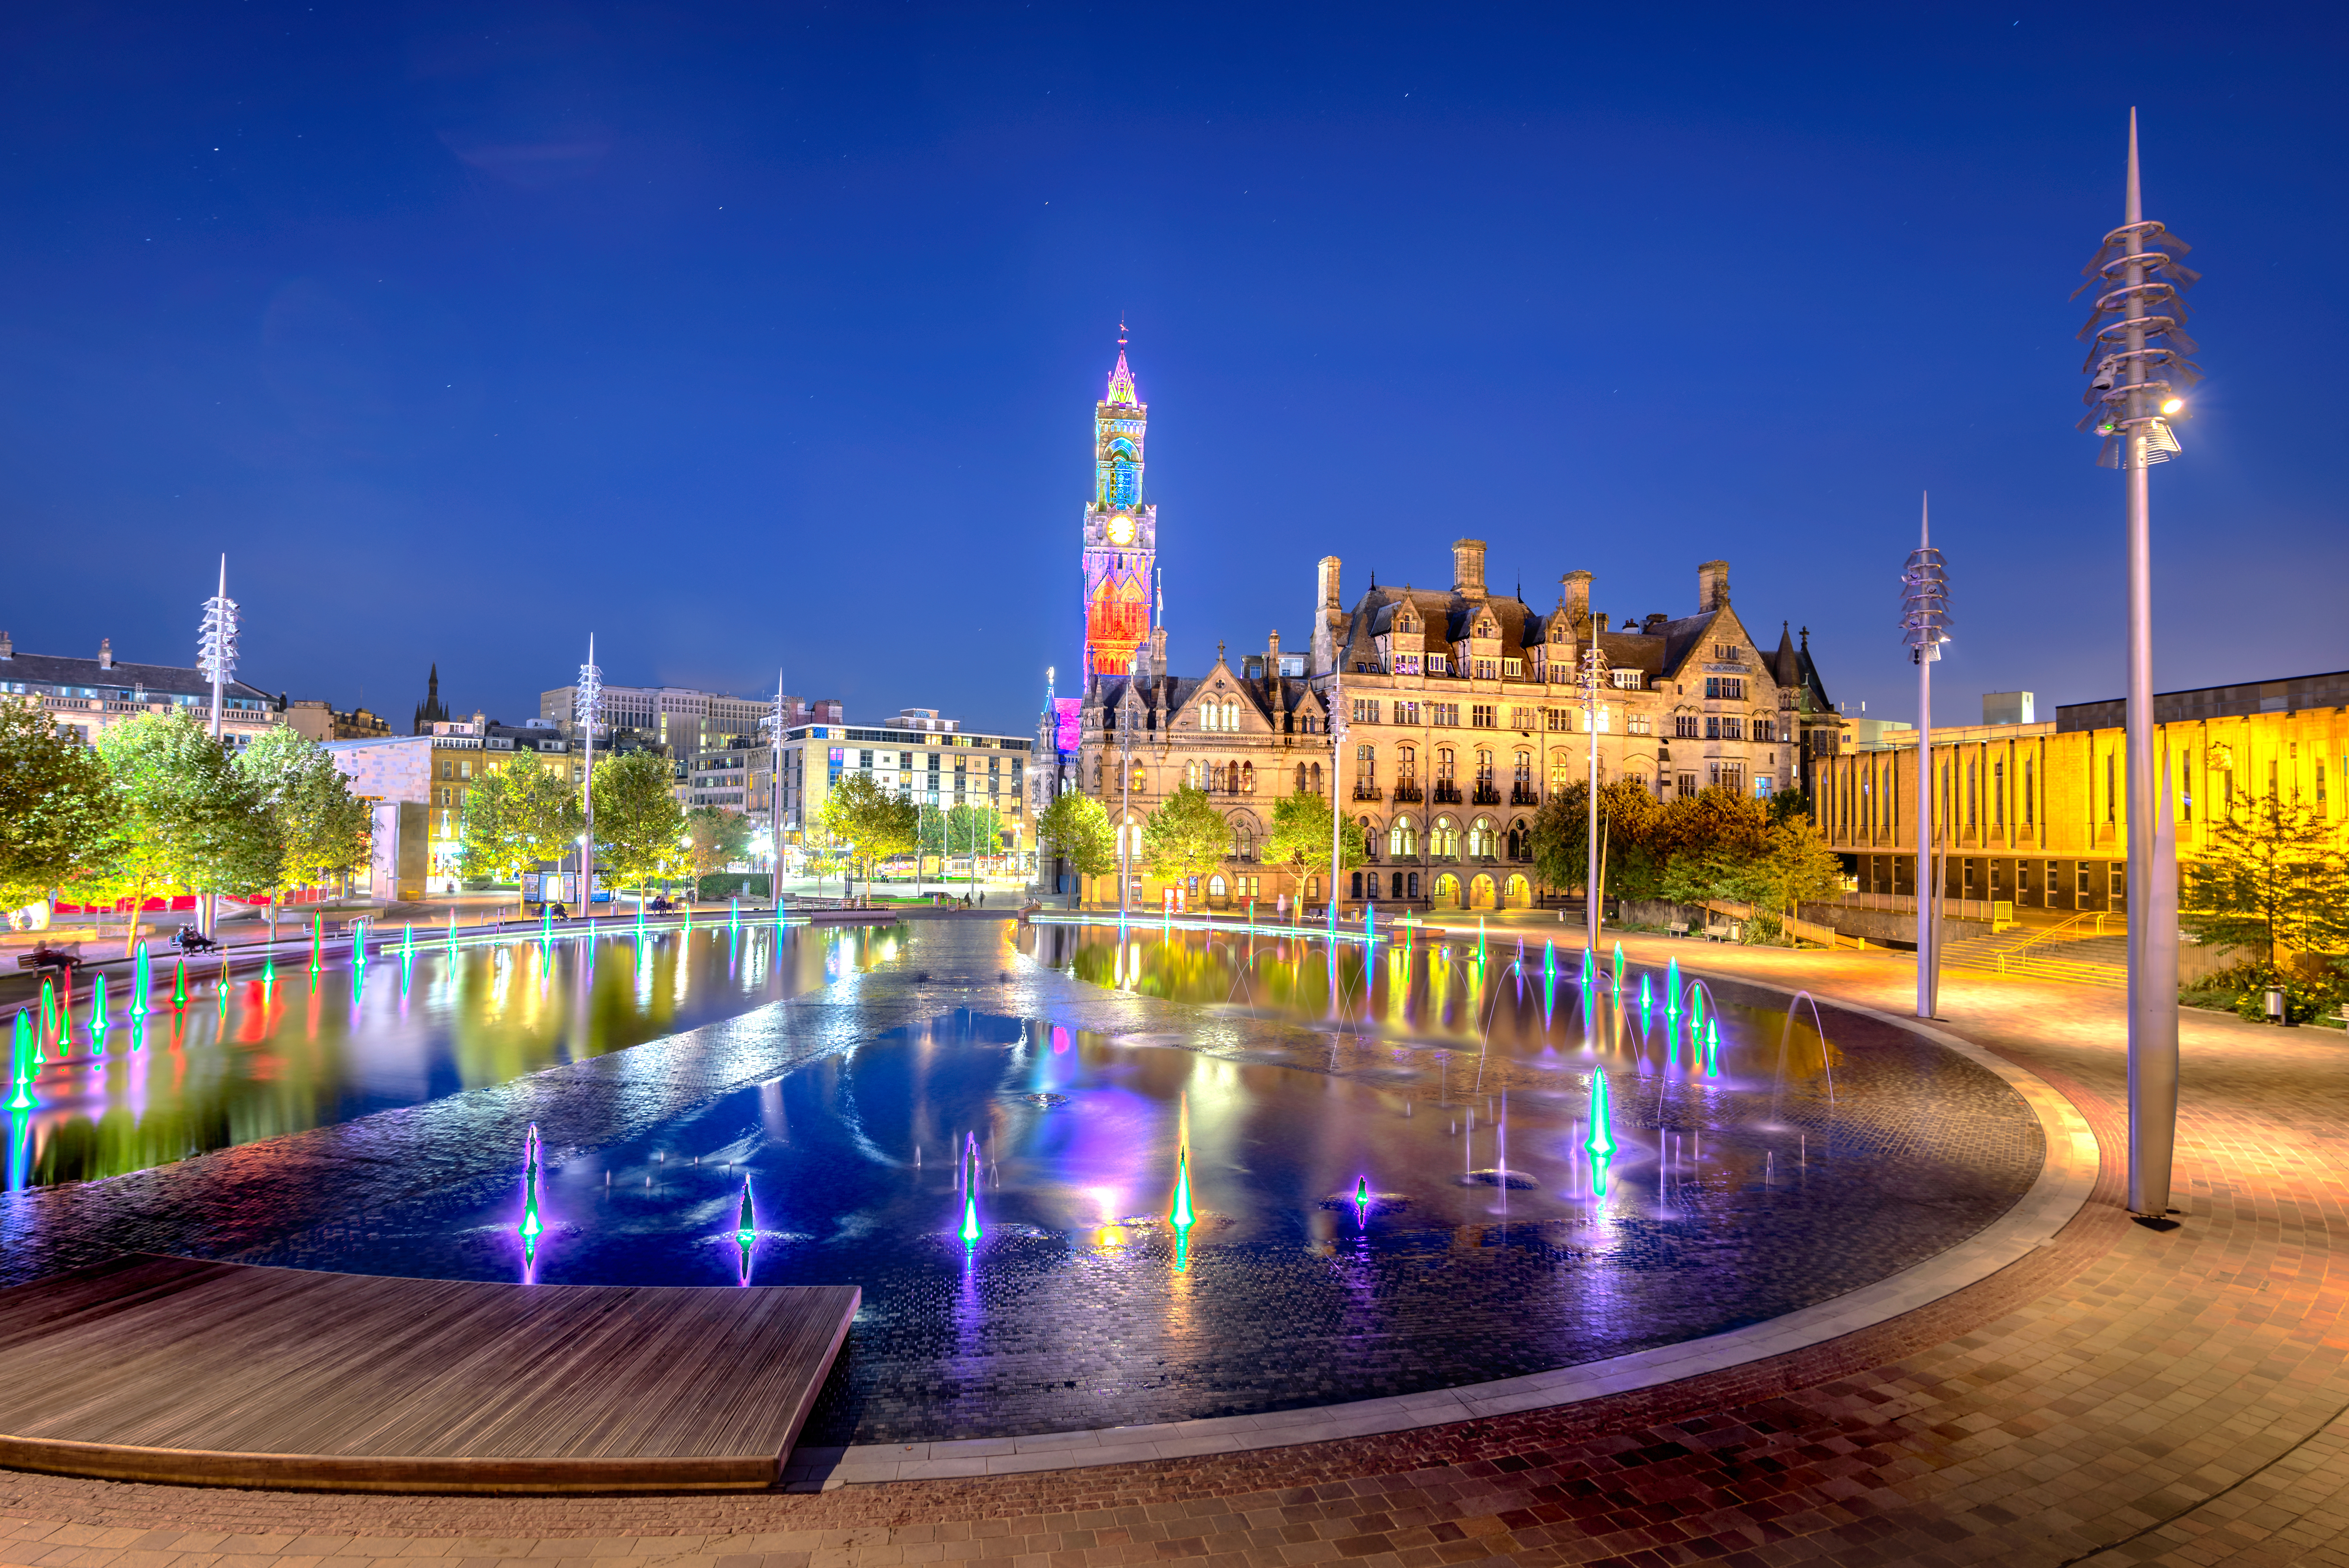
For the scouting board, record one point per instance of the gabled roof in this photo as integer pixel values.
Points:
(167, 680)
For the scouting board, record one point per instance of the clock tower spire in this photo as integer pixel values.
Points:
(1120, 530)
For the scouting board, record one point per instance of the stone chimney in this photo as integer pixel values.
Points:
(7, 648)
(1576, 586)
(1329, 625)
(1712, 587)
(1655, 624)
(105, 652)
(1468, 569)
(1599, 622)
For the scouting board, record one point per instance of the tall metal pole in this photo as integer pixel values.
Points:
(1337, 759)
(2138, 283)
(1925, 624)
(218, 662)
(1593, 682)
(1124, 793)
(216, 655)
(775, 802)
(587, 702)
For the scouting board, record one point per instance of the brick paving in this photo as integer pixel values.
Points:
(2123, 1396)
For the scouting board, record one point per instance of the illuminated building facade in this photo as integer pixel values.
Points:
(1120, 530)
(2036, 815)
(1461, 715)
(88, 696)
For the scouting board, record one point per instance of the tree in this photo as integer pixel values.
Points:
(2271, 879)
(1186, 837)
(1079, 833)
(1299, 842)
(720, 838)
(59, 814)
(517, 815)
(1626, 816)
(639, 824)
(192, 822)
(1797, 868)
(871, 822)
(322, 828)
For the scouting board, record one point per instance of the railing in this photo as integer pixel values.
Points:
(1523, 795)
(1445, 794)
(1367, 791)
(1407, 793)
(1998, 912)
(1486, 795)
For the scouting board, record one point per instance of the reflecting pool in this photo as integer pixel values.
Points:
(1400, 1172)
(223, 1056)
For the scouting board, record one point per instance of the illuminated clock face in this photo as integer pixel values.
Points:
(1121, 529)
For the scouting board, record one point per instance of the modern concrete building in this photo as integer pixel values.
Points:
(432, 772)
(932, 761)
(679, 720)
(2035, 814)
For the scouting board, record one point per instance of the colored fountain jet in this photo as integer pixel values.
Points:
(1601, 1145)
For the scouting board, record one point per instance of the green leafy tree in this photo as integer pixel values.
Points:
(1796, 867)
(639, 826)
(518, 815)
(1080, 831)
(1627, 817)
(719, 837)
(2270, 877)
(321, 828)
(1298, 842)
(868, 821)
(59, 814)
(193, 822)
(1186, 837)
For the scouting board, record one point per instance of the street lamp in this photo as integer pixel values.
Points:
(2137, 345)
(216, 656)
(587, 709)
(1925, 622)
(1593, 680)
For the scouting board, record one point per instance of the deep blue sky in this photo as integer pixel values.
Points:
(768, 335)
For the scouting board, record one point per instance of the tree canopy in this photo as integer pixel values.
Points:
(720, 838)
(2272, 878)
(59, 814)
(321, 828)
(639, 826)
(1186, 837)
(518, 815)
(1080, 831)
(1298, 842)
(872, 823)
(194, 823)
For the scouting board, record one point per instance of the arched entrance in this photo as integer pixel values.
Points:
(1519, 893)
(1447, 890)
(1480, 893)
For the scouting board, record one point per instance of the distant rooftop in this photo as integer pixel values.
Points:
(2292, 695)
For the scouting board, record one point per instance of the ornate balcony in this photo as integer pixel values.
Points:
(1407, 792)
(1486, 795)
(1523, 795)
(1363, 791)
(1445, 793)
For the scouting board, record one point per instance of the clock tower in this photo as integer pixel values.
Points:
(1120, 530)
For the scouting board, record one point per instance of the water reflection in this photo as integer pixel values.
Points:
(218, 1059)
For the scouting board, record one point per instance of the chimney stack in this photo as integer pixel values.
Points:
(1468, 569)
(105, 652)
(1712, 587)
(1576, 586)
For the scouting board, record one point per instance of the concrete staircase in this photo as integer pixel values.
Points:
(2047, 952)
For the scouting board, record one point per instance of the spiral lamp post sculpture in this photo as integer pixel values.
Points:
(1925, 622)
(587, 712)
(1593, 679)
(2138, 366)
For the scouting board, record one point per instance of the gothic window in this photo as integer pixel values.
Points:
(1242, 842)
(1402, 840)
(1247, 777)
(1444, 838)
(1300, 779)
(1561, 767)
(1516, 842)
(1097, 775)
(1484, 842)
(1191, 775)
(1232, 716)
(1370, 842)
(1317, 779)
(1137, 781)
(1231, 778)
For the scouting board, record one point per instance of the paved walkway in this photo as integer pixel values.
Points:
(2123, 1396)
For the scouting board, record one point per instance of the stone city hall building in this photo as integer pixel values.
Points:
(1439, 719)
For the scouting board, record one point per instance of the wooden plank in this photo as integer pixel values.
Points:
(173, 1370)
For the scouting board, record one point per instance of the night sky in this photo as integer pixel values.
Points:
(768, 335)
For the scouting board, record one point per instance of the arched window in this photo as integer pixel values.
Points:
(1232, 778)
(1406, 764)
(1443, 765)
(1444, 838)
(1136, 782)
(1317, 779)
(1483, 766)
(1232, 716)
(1482, 840)
(1561, 767)
(1514, 843)
(1247, 777)
(1370, 837)
(1525, 767)
(1402, 840)
(1215, 885)
(1191, 774)
(1242, 842)
(1097, 775)
(1300, 779)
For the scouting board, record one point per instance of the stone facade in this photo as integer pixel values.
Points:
(1459, 715)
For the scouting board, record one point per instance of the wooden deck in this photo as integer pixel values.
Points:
(169, 1369)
